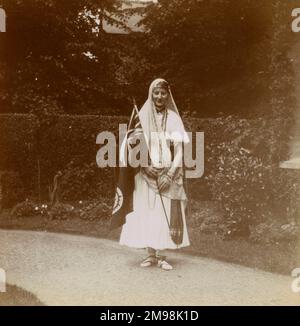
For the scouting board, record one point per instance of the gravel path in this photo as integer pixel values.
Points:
(75, 270)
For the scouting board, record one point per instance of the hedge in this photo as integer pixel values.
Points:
(28, 145)
(241, 161)
(62, 142)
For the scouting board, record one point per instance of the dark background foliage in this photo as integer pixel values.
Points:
(241, 162)
(220, 56)
(67, 143)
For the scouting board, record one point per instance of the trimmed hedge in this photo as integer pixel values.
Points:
(12, 189)
(18, 145)
(29, 144)
(61, 143)
(241, 162)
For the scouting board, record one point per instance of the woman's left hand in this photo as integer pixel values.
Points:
(164, 182)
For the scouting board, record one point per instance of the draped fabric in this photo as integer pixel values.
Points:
(148, 116)
(174, 133)
(158, 219)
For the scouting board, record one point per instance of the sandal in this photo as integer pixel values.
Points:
(163, 264)
(149, 261)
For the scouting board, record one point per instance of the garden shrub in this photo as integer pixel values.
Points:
(241, 170)
(274, 232)
(285, 194)
(24, 209)
(62, 211)
(96, 210)
(86, 181)
(246, 178)
(29, 208)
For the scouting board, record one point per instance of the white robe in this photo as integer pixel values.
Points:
(146, 226)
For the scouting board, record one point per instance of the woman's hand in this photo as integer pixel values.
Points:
(164, 182)
(151, 171)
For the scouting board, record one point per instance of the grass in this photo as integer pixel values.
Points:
(15, 296)
(278, 258)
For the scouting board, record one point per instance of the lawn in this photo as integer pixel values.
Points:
(15, 296)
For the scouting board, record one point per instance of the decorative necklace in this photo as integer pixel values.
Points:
(163, 128)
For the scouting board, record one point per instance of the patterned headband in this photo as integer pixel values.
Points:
(162, 84)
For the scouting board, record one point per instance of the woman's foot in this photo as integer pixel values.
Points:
(149, 261)
(163, 264)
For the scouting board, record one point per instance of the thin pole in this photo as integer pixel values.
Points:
(39, 180)
(162, 202)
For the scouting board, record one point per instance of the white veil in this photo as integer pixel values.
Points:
(148, 113)
(146, 118)
(147, 108)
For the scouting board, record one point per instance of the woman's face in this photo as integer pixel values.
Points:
(160, 97)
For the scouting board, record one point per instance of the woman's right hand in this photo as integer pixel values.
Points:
(151, 171)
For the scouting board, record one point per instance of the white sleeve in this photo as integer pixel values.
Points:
(175, 129)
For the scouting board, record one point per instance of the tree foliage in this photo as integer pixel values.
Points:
(220, 56)
(56, 56)
(218, 53)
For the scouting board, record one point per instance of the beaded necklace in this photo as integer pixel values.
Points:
(163, 128)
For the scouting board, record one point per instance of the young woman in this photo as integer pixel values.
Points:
(159, 188)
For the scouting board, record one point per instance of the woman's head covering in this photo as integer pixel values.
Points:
(149, 120)
(152, 129)
(148, 108)
(159, 82)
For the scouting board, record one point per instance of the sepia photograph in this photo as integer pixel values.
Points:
(149, 155)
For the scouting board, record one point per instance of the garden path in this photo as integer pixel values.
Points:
(65, 269)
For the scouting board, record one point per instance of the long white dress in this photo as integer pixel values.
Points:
(147, 226)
